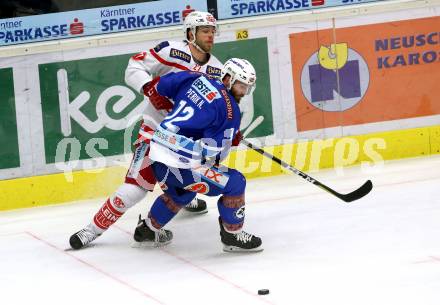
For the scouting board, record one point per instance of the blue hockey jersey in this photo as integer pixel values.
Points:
(202, 124)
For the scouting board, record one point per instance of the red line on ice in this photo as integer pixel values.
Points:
(188, 262)
(95, 268)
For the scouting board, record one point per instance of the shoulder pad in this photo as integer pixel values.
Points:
(213, 71)
(213, 61)
(161, 45)
(208, 76)
(179, 54)
(195, 73)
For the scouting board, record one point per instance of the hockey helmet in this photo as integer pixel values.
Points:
(195, 19)
(241, 70)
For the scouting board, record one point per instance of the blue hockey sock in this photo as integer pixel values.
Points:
(163, 210)
(231, 209)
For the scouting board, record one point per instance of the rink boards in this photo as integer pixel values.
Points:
(78, 185)
(337, 87)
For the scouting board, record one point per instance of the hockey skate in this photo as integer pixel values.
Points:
(239, 242)
(144, 236)
(196, 206)
(83, 237)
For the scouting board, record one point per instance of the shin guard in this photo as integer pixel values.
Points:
(163, 210)
(231, 209)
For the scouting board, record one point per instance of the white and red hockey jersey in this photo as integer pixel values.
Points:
(167, 56)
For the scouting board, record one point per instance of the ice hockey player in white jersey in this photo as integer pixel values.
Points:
(193, 53)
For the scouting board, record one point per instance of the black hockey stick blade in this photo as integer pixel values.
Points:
(356, 194)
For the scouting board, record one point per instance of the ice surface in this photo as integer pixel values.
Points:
(383, 249)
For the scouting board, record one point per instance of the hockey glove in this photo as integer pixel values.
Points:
(237, 139)
(159, 102)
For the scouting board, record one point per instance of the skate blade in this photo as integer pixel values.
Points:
(148, 244)
(196, 213)
(241, 250)
(91, 245)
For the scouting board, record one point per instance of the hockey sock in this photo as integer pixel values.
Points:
(231, 209)
(163, 210)
(124, 198)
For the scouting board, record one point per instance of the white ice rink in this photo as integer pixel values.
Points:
(381, 250)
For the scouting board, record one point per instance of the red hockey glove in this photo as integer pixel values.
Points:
(237, 139)
(159, 102)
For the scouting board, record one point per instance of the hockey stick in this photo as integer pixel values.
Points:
(355, 195)
(253, 125)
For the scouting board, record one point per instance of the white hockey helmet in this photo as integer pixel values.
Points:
(241, 70)
(195, 19)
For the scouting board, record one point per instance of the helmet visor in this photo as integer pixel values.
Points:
(246, 89)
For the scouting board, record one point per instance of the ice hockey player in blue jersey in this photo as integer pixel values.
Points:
(188, 145)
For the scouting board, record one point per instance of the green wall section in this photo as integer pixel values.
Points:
(256, 52)
(9, 152)
(101, 81)
(89, 80)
